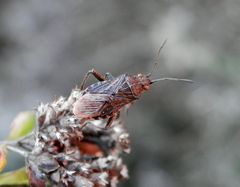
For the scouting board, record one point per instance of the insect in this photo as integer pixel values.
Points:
(105, 99)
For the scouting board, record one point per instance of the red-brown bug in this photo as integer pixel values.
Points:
(106, 98)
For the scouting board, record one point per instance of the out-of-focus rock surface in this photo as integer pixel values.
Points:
(182, 135)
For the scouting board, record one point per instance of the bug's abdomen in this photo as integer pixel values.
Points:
(90, 105)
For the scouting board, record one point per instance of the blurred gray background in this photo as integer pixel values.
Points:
(182, 135)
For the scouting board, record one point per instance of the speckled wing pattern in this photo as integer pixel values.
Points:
(89, 105)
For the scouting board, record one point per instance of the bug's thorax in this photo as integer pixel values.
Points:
(139, 83)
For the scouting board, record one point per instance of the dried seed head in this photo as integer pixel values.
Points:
(65, 154)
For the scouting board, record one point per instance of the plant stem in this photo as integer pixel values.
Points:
(18, 150)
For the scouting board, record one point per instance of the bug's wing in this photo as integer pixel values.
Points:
(98, 87)
(89, 105)
(117, 83)
(108, 87)
(126, 92)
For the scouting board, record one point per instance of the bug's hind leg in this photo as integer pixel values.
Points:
(93, 72)
(111, 119)
(117, 115)
(109, 122)
(109, 76)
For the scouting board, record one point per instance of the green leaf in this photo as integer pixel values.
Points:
(17, 177)
(23, 124)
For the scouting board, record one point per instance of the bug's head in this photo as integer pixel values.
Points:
(139, 83)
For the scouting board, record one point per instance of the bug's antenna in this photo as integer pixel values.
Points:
(172, 79)
(156, 63)
(160, 49)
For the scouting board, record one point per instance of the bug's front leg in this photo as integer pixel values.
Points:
(95, 73)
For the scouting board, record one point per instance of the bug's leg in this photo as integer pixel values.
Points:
(93, 72)
(109, 122)
(82, 121)
(117, 115)
(109, 76)
(111, 119)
